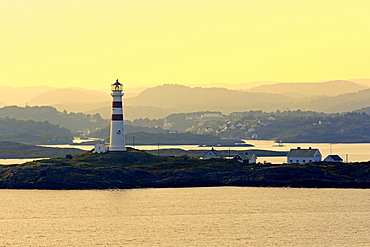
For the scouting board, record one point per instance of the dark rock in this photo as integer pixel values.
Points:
(136, 169)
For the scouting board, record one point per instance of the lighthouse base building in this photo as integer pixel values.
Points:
(117, 131)
(101, 148)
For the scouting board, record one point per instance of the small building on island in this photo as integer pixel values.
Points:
(212, 154)
(246, 158)
(333, 158)
(101, 148)
(300, 155)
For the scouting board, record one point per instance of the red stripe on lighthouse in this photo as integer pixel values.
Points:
(117, 117)
(117, 104)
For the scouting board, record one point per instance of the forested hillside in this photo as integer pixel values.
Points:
(33, 132)
(73, 121)
(286, 126)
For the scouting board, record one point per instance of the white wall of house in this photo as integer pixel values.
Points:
(253, 159)
(101, 148)
(316, 158)
(211, 155)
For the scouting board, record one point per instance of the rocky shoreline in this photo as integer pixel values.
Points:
(137, 169)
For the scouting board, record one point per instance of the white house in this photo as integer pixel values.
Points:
(301, 156)
(333, 158)
(212, 154)
(245, 158)
(101, 148)
(166, 125)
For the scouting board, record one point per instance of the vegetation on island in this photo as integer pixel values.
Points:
(138, 169)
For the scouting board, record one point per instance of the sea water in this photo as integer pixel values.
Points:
(215, 216)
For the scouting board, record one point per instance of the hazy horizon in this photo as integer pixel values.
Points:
(235, 86)
(144, 43)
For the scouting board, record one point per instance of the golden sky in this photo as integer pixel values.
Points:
(90, 43)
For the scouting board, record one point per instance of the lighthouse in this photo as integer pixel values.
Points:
(117, 134)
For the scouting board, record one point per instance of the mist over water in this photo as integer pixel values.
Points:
(216, 216)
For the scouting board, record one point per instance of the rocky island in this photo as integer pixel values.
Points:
(138, 169)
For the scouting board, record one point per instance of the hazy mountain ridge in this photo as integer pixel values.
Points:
(341, 103)
(62, 98)
(238, 86)
(69, 95)
(160, 101)
(329, 88)
(22, 95)
(361, 81)
(186, 99)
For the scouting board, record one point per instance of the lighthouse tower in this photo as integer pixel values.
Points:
(117, 134)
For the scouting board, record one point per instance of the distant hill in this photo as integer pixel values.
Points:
(69, 95)
(238, 86)
(185, 99)
(134, 112)
(72, 121)
(330, 88)
(160, 101)
(22, 95)
(33, 132)
(341, 103)
(363, 81)
(176, 98)
(364, 109)
(88, 108)
(59, 97)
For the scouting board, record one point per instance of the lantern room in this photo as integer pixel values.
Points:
(116, 86)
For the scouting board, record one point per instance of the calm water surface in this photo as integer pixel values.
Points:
(217, 216)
